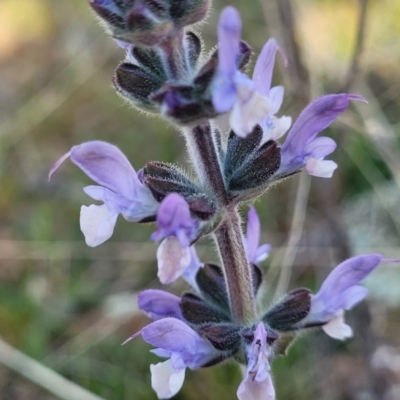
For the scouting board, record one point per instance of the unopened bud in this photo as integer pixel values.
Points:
(289, 311)
(148, 22)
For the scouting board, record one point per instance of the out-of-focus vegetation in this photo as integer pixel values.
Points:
(70, 307)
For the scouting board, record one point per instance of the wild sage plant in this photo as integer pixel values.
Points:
(167, 73)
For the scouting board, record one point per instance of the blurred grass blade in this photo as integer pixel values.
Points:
(42, 376)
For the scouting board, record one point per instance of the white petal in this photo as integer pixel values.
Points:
(321, 168)
(337, 328)
(282, 125)
(248, 110)
(172, 259)
(165, 380)
(250, 389)
(97, 224)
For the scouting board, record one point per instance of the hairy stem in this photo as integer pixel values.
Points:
(202, 146)
(203, 153)
(237, 271)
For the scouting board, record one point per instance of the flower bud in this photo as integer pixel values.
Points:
(148, 22)
(250, 165)
(294, 307)
(163, 179)
(139, 77)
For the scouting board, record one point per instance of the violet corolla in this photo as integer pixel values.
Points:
(255, 252)
(120, 190)
(158, 304)
(339, 292)
(177, 230)
(302, 148)
(183, 347)
(254, 102)
(251, 101)
(257, 384)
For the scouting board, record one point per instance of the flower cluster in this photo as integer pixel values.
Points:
(198, 330)
(167, 72)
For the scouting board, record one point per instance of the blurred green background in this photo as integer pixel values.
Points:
(70, 307)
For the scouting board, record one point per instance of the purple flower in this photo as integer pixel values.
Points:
(255, 253)
(177, 230)
(158, 304)
(252, 101)
(174, 219)
(272, 126)
(341, 291)
(233, 90)
(183, 347)
(302, 148)
(120, 189)
(189, 274)
(257, 384)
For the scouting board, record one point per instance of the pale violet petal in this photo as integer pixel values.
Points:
(180, 342)
(316, 117)
(143, 206)
(352, 296)
(114, 202)
(256, 390)
(262, 75)
(224, 93)
(229, 28)
(106, 165)
(172, 259)
(224, 90)
(320, 147)
(282, 125)
(97, 224)
(158, 304)
(189, 275)
(276, 96)
(253, 232)
(174, 219)
(249, 109)
(57, 164)
(257, 384)
(337, 328)
(165, 380)
(347, 274)
(262, 253)
(320, 168)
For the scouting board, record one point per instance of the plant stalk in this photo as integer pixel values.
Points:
(238, 277)
(202, 151)
(228, 236)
